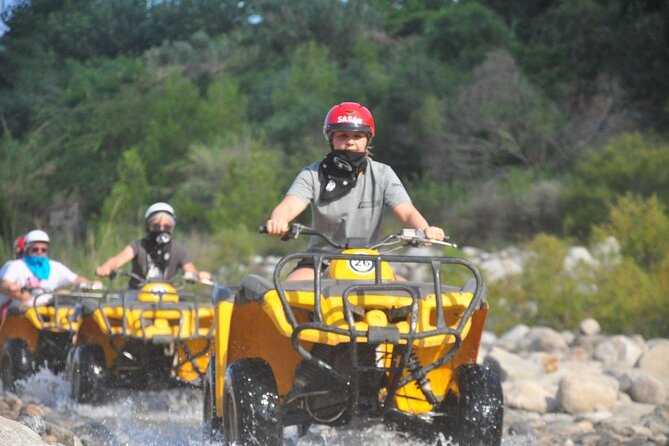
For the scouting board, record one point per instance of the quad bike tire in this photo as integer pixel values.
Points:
(251, 408)
(87, 374)
(17, 363)
(475, 416)
(212, 424)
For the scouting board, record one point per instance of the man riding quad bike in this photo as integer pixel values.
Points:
(38, 335)
(142, 338)
(356, 342)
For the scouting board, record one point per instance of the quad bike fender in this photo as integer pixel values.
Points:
(410, 399)
(244, 330)
(223, 306)
(93, 330)
(18, 326)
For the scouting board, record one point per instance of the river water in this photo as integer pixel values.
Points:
(173, 418)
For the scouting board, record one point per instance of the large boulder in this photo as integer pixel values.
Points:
(656, 358)
(619, 350)
(587, 393)
(16, 434)
(528, 395)
(543, 339)
(511, 367)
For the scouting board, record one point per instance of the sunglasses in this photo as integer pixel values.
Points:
(37, 250)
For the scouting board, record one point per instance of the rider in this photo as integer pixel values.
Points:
(156, 256)
(19, 246)
(347, 189)
(35, 271)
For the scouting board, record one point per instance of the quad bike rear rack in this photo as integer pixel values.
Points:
(386, 335)
(188, 307)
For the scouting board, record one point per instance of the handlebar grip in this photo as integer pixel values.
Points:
(262, 229)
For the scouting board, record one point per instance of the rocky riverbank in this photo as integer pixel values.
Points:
(577, 387)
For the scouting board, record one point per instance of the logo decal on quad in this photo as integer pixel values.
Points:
(361, 266)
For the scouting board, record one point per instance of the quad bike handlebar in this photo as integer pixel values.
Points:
(412, 237)
(186, 277)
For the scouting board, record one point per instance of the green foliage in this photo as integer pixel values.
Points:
(127, 200)
(628, 300)
(642, 226)
(22, 183)
(249, 191)
(301, 95)
(632, 163)
(464, 33)
(624, 291)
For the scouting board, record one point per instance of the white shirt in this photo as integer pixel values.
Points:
(18, 272)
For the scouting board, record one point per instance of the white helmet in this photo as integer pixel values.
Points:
(35, 236)
(159, 207)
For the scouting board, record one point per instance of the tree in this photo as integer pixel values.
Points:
(464, 33)
(249, 191)
(630, 163)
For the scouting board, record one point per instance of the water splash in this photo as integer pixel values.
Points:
(174, 418)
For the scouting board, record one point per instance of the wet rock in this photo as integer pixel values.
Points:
(50, 439)
(16, 434)
(32, 410)
(34, 422)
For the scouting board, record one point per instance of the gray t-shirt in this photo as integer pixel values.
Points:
(359, 213)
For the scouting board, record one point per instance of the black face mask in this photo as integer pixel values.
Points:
(339, 172)
(158, 246)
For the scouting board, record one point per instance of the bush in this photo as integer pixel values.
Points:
(633, 163)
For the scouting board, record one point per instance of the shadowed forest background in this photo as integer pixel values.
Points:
(541, 124)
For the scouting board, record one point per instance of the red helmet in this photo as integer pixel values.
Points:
(19, 246)
(349, 116)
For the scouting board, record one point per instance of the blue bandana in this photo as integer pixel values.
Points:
(40, 266)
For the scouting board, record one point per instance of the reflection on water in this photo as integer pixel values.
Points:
(173, 418)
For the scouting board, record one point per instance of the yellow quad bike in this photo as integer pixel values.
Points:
(153, 337)
(357, 342)
(38, 335)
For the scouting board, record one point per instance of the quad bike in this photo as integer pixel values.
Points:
(37, 335)
(158, 335)
(371, 345)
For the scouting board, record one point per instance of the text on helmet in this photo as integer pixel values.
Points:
(351, 119)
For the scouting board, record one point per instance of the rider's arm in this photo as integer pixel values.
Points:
(115, 262)
(410, 217)
(13, 290)
(189, 268)
(290, 207)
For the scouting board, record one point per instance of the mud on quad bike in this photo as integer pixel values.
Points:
(38, 335)
(156, 336)
(371, 346)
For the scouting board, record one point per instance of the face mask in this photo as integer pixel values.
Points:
(158, 238)
(339, 172)
(158, 244)
(40, 266)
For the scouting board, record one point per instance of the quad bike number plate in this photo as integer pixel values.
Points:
(361, 266)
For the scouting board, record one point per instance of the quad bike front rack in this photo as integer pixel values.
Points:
(386, 335)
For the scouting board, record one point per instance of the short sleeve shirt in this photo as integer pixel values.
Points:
(18, 272)
(357, 214)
